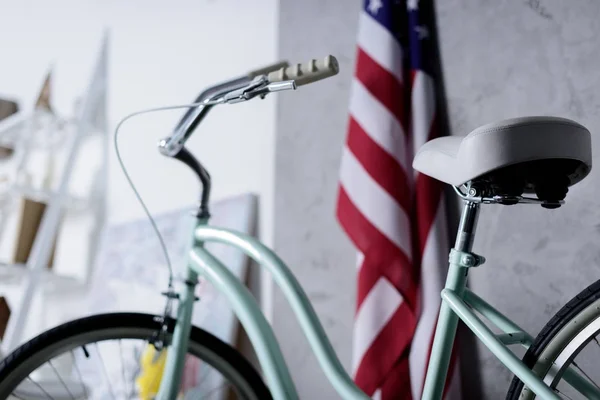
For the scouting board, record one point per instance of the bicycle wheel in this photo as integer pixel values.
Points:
(98, 357)
(569, 340)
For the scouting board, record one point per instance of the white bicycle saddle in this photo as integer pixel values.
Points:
(525, 150)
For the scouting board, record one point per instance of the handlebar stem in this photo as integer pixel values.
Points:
(188, 159)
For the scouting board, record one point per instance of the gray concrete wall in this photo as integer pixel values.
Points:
(501, 59)
(310, 133)
(514, 58)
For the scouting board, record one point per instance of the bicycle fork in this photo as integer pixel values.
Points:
(171, 378)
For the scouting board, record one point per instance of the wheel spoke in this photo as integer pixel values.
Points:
(562, 395)
(213, 391)
(205, 375)
(18, 397)
(41, 388)
(105, 372)
(79, 374)
(125, 390)
(134, 372)
(69, 371)
(597, 343)
(586, 375)
(86, 353)
(61, 379)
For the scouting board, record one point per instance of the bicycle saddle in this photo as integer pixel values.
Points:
(542, 155)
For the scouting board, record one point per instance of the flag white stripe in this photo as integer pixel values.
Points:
(380, 45)
(423, 108)
(378, 122)
(376, 395)
(376, 310)
(433, 260)
(360, 257)
(374, 203)
(432, 275)
(383, 211)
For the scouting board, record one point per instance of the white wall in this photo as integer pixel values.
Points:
(161, 53)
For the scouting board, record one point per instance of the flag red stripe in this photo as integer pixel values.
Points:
(385, 365)
(385, 350)
(396, 382)
(382, 84)
(428, 193)
(382, 167)
(393, 270)
(382, 257)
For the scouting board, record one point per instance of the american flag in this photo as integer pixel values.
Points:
(394, 216)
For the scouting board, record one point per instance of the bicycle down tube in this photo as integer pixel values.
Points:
(258, 329)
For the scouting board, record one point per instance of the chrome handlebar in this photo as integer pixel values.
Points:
(258, 83)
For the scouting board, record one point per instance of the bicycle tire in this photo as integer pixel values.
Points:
(17, 366)
(559, 322)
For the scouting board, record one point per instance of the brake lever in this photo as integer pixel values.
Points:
(259, 86)
(273, 87)
(239, 95)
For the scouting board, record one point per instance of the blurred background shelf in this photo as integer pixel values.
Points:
(51, 282)
(53, 179)
(72, 202)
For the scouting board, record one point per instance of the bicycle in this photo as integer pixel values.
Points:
(503, 163)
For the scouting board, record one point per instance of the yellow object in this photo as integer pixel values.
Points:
(152, 366)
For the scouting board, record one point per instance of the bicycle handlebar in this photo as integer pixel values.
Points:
(268, 69)
(309, 72)
(258, 82)
(192, 117)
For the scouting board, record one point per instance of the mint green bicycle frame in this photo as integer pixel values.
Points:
(457, 303)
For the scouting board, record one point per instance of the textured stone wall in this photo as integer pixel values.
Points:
(505, 59)
(310, 133)
(501, 59)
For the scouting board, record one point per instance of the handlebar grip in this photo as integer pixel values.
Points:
(312, 71)
(268, 69)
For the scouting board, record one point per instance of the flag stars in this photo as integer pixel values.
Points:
(412, 5)
(422, 32)
(374, 6)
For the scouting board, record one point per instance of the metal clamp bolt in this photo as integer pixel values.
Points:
(465, 260)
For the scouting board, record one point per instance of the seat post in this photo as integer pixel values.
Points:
(456, 281)
(466, 229)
